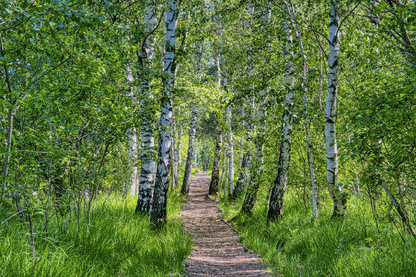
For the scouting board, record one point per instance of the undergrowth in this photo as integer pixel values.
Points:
(299, 245)
(116, 243)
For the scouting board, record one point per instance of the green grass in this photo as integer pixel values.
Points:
(298, 245)
(117, 243)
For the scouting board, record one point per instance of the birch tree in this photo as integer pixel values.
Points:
(256, 169)
(158, 213)
(280, 183)
(190, 154)
(305, 111)
(223, 167)
(174, 160)
(133, 160)
(178, 150)
(247, 157)
(250, 198)
(214, 186)
(132, 150)
(230, 154)
(192, 131)
(147, 139)
(337, 193)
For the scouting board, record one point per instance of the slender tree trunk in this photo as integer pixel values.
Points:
(305, 115)
(12, 114)
(247, 158)
(338, 195)
(133, 155)
(214, 186)
(223, 167)
(174, 169)
(230, 154)
(227, 172)
(256, 170)
(173, 163)
(132, 149)
(242, 151)
(320, 81)
(192, 131)
(257, 167)
(189, 159)
(178, 151)
(280, 183)
(158, 213)
(148, 163)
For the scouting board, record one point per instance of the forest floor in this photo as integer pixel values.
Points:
(216, 250)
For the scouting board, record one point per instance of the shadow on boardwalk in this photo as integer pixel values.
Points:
(216, 251)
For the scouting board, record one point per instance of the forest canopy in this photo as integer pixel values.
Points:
(296, 108)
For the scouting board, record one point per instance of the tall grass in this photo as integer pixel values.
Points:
(299, 245)
(116, 243)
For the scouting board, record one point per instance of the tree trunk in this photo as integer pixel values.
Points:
(214, 186)
(190, 156)
(257, 168)
(178, 151)
(247, 158)
(12, 114)
(158, 213)
(230, 154)
(132, 149)
(305, 115)
(280, 183)
(223, 166)
(132, 153)
(148, 163)
(241, 150)
(192, 131)
(227, 172)
(337, 193)
(250, 199)
(173, 159)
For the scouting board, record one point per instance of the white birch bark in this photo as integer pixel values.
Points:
(230, 154)
(217, 63)
(132, 145)
(178, 150)
(215, 184)
(173, 160)
(147, 140)
(158, 213)
(280, 183)
(241, 150)
(338, 196)
(133, 156)
(305, 115)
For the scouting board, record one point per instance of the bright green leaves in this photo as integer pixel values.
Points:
(380, 7)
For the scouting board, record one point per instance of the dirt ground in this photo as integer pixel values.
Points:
(216, 251)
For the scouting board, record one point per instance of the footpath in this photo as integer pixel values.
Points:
(216, 251)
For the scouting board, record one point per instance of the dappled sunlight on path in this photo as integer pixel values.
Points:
(217, 251)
